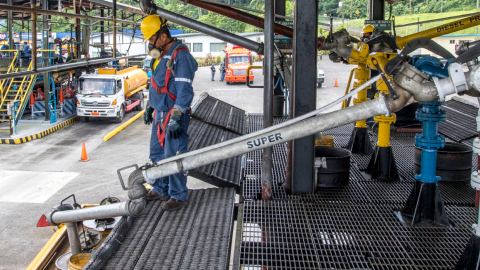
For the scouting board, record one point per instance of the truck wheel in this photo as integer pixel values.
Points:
(120, 115)
(319, 85)
(140, 106)
(84, 119)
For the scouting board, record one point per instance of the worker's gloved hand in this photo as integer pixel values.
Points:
(174, 126)
(147, 115)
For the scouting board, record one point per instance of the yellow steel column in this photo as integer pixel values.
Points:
(362, 75)
(383, 121)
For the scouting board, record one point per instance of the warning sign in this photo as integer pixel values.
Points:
(383, 25)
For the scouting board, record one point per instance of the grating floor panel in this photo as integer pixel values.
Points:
(461, 107)
(314, 233)
(177, 240)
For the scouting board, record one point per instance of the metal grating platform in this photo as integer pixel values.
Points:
(313, 233)
(214, 121)
(218, 113)
(355, 227)
(197, 236)
(461, 123)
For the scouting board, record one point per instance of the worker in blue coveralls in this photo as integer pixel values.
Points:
(222, 72)
(212, 68)
(170, 96)
(27, 52)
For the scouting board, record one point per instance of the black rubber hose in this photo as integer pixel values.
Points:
(411, 46)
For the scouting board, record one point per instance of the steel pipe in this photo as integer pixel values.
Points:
(65, 67)
(284, 124)
(275, 135)
(97, 212)
(267, 161)
(73, 237)
(63, 14)
(150, 8)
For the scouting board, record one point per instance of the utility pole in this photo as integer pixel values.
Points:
(343, 14)
(351, 9)
(476, 28)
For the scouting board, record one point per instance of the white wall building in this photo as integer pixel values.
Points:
(199, 44)
(123, 42)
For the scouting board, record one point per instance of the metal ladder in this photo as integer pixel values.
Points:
(16, 89)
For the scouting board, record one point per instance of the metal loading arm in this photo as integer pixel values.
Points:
(417, 43)
(308, 124)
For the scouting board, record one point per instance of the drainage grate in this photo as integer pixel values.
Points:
(194, 237)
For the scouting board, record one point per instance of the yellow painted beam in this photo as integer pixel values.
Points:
(44, 256)
(441, 30)
(122, 126)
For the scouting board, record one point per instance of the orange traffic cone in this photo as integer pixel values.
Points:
(336, 82)
(84, 154)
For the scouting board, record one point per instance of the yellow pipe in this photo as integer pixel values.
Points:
(441, 30)
(384, 123)
(344, 103)
(48, 250)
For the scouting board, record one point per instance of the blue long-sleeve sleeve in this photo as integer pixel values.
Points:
(185, 67)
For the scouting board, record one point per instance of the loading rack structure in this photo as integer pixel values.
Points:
(355, 227)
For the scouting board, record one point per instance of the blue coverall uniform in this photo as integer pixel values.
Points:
(180, 85)
(212, 68)
(26, 52)
(222, 73)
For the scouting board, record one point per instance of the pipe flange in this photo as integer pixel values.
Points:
(475, 180)
(457, 76)
(478, 121)
(476, 146)
(438, 86)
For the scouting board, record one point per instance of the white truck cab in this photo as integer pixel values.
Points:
(110, 93)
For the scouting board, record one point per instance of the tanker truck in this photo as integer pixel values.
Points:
(111, 93)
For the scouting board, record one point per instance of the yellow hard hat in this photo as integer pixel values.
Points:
(151, 25)
(366, 29)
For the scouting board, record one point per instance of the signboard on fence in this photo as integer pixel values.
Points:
(285, 23)
(383, 25)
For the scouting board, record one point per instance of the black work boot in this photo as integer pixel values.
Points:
(153, 196)
(173, 204)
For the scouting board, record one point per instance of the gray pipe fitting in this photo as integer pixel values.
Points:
(136, 189)
(415, 81)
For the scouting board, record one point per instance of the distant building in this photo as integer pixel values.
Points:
(449, 42)
(200, 44)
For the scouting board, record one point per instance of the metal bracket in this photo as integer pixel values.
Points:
(459, 81)
(385, 80)
(120, 175)
(321, 162)
(75, 204)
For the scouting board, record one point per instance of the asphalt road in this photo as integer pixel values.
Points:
(37, 175)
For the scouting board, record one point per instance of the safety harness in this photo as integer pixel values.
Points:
(164, 90)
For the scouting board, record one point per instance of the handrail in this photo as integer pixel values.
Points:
(345, 103)
(248, 79)
(10, 68)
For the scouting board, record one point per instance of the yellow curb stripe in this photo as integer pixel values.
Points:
(122, 126)
(40, 134)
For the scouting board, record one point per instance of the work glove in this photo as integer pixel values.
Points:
(174, 126)
(147, 115)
